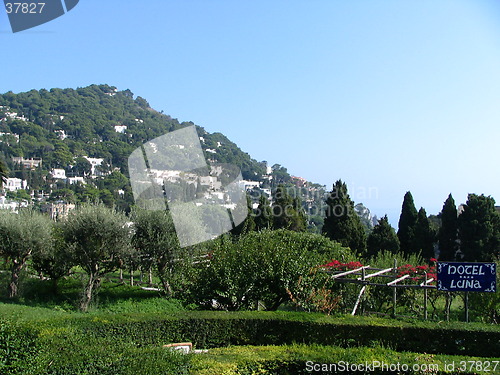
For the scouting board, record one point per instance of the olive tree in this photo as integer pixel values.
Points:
(96, 239)
(53, 261)
(22, 236)
(156, 242)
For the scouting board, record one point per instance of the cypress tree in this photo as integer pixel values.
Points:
(448, 233)
(264, 215)
(382, 237)
(4, 174)
(247, 225)
(424, 236)
(479, 229)
(287, 212)
(406, 226)
(342, 223)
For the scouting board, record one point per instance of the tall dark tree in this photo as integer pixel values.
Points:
(406, 227)
(449, 230)
(4, 174)
(264, 214)
(287, 211)
(342, 224)
(424, 237)
(479, 229)
(247, 225)
(382, 237)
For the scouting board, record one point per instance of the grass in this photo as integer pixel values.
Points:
(113, 297)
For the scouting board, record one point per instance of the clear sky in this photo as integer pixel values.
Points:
(389, 96)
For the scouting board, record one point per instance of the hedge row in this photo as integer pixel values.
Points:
(69, 352)
(214, 329)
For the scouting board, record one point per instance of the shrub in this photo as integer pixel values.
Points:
(262, 266)
(17, 347)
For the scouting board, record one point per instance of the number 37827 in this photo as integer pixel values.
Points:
(26, 8)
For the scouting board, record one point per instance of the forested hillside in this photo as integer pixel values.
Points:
(88, 117)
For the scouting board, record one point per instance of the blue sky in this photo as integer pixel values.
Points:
(389, 96)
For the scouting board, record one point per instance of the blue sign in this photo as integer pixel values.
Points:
(466, 277)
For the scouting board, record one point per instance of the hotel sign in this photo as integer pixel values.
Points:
(466, 277)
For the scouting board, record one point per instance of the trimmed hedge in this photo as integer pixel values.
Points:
(105, 343)
(216, 329)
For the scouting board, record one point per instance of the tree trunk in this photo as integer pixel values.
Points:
(17, 267)
(131, 277)
(162, 267)
(121, 275)
(150, 276)
(88, 293)
(166, 285)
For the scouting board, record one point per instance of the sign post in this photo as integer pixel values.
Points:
(467, 277)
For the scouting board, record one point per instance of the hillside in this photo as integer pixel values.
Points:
(96, 121)
(72, 145)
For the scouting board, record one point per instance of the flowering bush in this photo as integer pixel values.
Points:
(417, 273)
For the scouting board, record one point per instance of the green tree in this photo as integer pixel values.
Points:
(53, 261)
(4, 173)
(448, 233)
(156, 242)
(268, 266)
(247, 225)
(82, 167)
(19, 195)
(382, 237)
(62, 156)
(479, 229)
(280, 174)
(22, 236)
(66, 195)
(96, 238)
(287, 213)
(263, 214)
(106, 197)
(424, 236)
(406, 227)
(342, 224)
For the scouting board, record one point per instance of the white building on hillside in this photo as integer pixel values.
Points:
(120, 128)
(94, 163)
(75, 180)
(14, 184)
(58, 173)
